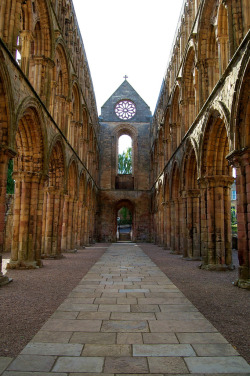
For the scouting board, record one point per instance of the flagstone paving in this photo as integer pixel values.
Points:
(126, 317)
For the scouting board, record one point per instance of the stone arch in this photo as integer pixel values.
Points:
(190, 90)
(223, 37)
(215, 183)
(73, 133)
(53, 202)
(59, 107)
(6, 105)
(131, 207)
(83, 137)
(176, 118)
(175, 208)
(191, 205)
(168, 135)
(240, 124)
(126, 180)
(29, 165)
(208, 49)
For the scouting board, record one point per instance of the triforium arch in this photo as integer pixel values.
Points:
(189, 89)
(29, 167)
(59, 104)
(215, 183)
(191, 231)
(53, 201)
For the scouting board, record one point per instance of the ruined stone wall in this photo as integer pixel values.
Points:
(200, 131)
(49, 127)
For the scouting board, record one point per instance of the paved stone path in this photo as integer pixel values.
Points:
(126, 317)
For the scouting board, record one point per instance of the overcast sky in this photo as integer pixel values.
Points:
(132, 38)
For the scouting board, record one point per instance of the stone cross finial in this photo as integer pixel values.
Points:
(125, 77)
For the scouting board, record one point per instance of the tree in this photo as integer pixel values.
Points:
(125, 162)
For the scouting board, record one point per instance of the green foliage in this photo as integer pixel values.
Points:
(10, 181)
(125, 216)
(125, 162)
(233, 220)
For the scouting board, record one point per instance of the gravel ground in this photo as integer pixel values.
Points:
(34, 295)
(28, 301)
(213, 293)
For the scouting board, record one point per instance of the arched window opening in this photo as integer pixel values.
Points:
(125, 155)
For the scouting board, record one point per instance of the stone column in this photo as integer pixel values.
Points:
(240, 160)
(167, 225)
(27, 221)
(53, 224)
(193, 224)
(5, 155)
(172, 225)
(217, 252)
(183, 224)
(65, 222)
(26, 38)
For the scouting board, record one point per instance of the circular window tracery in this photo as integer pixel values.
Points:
(125, 109)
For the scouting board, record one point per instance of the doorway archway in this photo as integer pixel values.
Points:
(124, 220)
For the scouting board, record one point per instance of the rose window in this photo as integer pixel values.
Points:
(125, 109)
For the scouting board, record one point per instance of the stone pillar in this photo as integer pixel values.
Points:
(183, 224)
(27, 221)
(240, 160)
(193, 225)
(52, 224)
(167, 225)
(216, 244)
(5, 155)
(65, 222)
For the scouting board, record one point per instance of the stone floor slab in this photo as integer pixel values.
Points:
(79, 364)
(126, 365)
(114, 308)
(132, 316)
(215, 349)
(217, 365)
(71, 315)
(167, 365)
(67, 307)
(163, 350)
(93, 338)
(201, 338)
(52, 337)
(107, 350)
(181, 326)
(124, 326)
(93, 315)
(151, 338)
(129, 338)
(65, 349)
(72, 325)
(145, 308)
(32, 363)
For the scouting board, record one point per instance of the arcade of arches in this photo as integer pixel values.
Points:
(67, 187)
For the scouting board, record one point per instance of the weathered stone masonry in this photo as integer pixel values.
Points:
(67, 187)
(200, 131)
